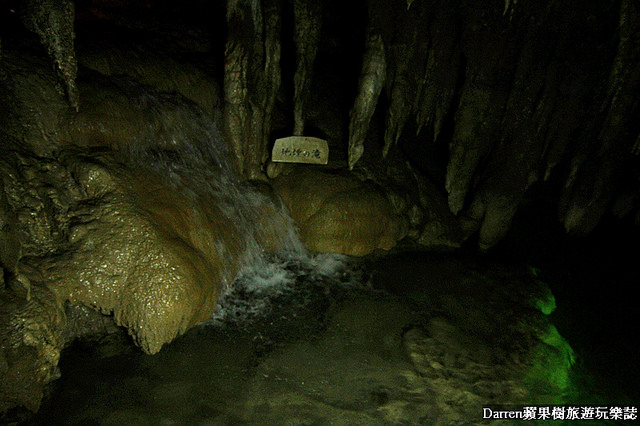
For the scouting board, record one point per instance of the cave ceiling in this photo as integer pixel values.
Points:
(486, 98)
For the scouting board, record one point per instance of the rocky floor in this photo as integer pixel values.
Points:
(409, 339)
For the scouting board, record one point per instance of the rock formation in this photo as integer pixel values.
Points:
(82, 229)
(370, 86)
(53, 21)
(116, 190)
(513, 89)
(307, 23)
(128, 207)
(251, 80)
(337, 213)
(498, 86)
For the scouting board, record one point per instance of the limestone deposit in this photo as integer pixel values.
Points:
(124, 207)
(338, 213)
(86, 230)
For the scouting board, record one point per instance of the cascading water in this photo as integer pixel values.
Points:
(294, 337)
(185, 149)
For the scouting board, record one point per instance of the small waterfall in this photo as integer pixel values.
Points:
(302, 279)
(184, 148)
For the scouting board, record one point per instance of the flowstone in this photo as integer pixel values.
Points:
(338, 213)
(85, 229)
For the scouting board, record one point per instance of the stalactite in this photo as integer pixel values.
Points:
(244, 22)
(236, 113)
(499, 210)
(308, 19)
(406, 57)
(568, 115)
(267, 86)
(589, 195)
(595, 172)
(244, 8)
(369, 87)
(438, 82)
(635, 150)
(515, 161)
(251, 80)
(399, 108)
(478, 118)
(53, 21)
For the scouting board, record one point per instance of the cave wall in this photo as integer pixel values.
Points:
(517, 93)
(476, 102)
(494, 96)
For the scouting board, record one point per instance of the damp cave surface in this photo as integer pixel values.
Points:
(325, 343)
(411, 337)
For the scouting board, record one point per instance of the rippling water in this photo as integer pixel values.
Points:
(206, 376)
(322, 339)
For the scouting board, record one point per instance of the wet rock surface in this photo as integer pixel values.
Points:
(324, 349)
(81, 228)
(337, 213)
(105, 157)
(53, 22)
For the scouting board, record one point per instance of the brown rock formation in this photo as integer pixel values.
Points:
(53, 21)
(251, 81)
(337, 213)
(113, 225)
(86, 230)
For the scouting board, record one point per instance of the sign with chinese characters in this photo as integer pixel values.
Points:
(300, 149)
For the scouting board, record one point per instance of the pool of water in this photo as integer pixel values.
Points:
(413, 338)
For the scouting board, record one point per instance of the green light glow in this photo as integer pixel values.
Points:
(548, 376)
(547, 304)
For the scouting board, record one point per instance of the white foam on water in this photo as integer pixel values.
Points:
(259, 284)
(184, 147)
(329, 264)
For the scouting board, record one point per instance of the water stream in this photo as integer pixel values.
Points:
(184, 147)
(299, 338)
(324, 339)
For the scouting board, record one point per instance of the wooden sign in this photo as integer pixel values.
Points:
(300, 149)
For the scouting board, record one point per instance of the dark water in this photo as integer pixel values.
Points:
(594, 280)
(206, 376)
(324, 340)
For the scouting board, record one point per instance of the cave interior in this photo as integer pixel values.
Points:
(463, 132)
